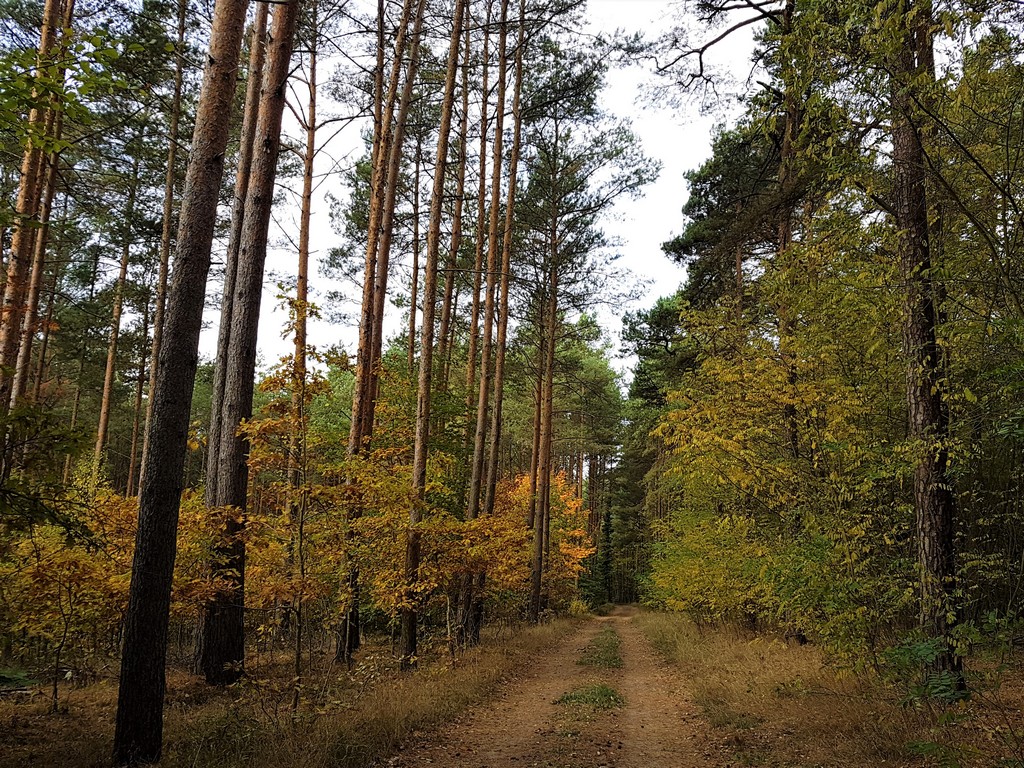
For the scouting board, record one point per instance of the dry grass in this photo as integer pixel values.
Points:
(349, 720)
(779, 705)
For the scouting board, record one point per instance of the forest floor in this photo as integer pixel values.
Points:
(634, 689)
(624, 710)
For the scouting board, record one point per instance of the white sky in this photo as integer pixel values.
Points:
(680, 138)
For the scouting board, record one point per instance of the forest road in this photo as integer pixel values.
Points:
(524, 726)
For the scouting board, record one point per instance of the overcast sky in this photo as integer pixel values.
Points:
(678, 137)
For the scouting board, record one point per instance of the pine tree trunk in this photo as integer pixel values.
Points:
(221, 643)
(421, 444)
(166, 230)
(506, 266)
(478, 261)
(452, 263)
(414, 285)
(26, 209)
(382, 141)
(542, 520)
(388, 221)
(928, 425)
(137, 410)
(297, 442)
(484, 390)
(385, 136)
(28, 330)
(247, 140)
(115, 321)
(139, 721)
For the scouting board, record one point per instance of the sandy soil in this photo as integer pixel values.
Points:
(523, 727)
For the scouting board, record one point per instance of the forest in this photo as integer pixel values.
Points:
(790, 483)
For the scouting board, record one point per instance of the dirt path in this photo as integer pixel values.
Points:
(524, 727)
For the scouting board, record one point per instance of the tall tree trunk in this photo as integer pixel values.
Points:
(452, 263)
(421, 444)
(478, 261)
(388, 220)
(387, 132)
(542, 518)
(506, 266)
(247, 141)
(137, 410)
(484, 390)
(115, 321)
(297, 496)
(384, 132)
(221, 643)
(139, 721)
(30, 320)
(465, 611)
(934, 503)
(40, 120)
(414, 284)
(166, 229)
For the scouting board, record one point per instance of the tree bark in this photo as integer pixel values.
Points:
(421, 445)
(361, 422)
(166, 229)
(484, 389)
(506, 266)
(928, 425)
(388, 221)
(137, 410)
(257, 60)
(115, 321)
(542, 518)
(139, 721)
(221, 643)
(26, 210)
(447, 307)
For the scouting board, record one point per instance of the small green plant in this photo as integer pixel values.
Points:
(603, 651)
(592, 697)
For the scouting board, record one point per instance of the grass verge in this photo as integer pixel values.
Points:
(603, 651)
(779, 705)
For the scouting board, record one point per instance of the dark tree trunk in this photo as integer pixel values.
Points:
(928, 425)
(139, 723)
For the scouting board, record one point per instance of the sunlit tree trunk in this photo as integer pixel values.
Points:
(421, 445)
(486, 348)
(387, 220)
(137, 409)
(26, 209)
(386, 134)
(414, 284)
(506, 268)
(447, 308)
(297, 497)
(542, 518)
(166, 228)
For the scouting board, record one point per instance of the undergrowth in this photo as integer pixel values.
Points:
(247, 725)
(779, 704)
